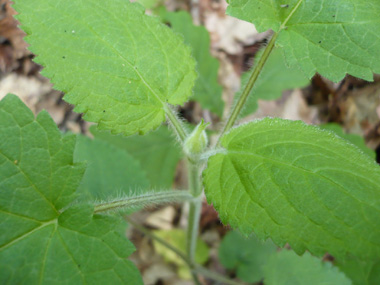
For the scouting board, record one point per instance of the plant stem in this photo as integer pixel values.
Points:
(195, 268)
(176, 123)
(195, 206)
(160, 240)
(193, 227)
(144, 200)
(195, 182)
(247, 90)
(167, 245)
(214, 276)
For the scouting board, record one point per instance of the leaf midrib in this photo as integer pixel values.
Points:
(283, 25)
(279, 186)
(116, 52)
(333, 23)
(300, 169)
(328, 51)
(31, 183)
(25, 235)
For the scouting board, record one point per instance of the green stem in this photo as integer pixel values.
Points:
(144, 200)
(167, 245)
(195, 206)
(247, 90)
(214, 276)
(160, 240)
(195, 182)
(195, 268)
(193, 227)
(176, 123)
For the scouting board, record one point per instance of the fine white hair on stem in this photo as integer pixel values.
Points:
(172, 126)
(140, 200)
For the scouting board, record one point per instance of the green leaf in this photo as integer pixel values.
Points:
(247, 256)
(298, 184)
(110, 172)
(207, 90)
(117, 65)
(153, 151)
(43, 242)
(177, 238)
(286, 267)
(274, 78)
(330, 37)
(361, 272)
(352, 138)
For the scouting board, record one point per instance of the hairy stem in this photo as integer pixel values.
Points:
(144, 200)
(193, 227)
(195, 182)
(194, 267)
(176, 123)
(247, 90)
(195, 206)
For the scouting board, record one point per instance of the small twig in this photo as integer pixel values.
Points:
(214, 276)
(160, 240)
(195, 268)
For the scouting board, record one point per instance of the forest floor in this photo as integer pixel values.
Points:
(352, 103)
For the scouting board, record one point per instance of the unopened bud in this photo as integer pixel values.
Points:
(197, 141)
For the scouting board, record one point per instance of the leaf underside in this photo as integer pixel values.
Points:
(111, 172)
(207, 90)
(117, 65)
(246, 256)
(274, 78)
(153, 151)
(286, 267)
(331, 37)
(38, 180)
(298, 184)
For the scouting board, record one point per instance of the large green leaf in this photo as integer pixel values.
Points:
(247, 256)
(207, 90)
(117, 65)
(43, 242)
(157, 152)
(286, 268)
(330, 37)
(110, 172)
(298, 184)
(352, 138)
(275, 78)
